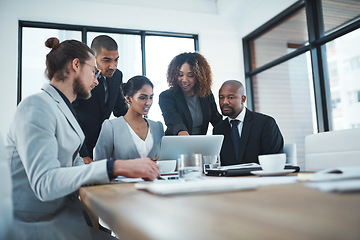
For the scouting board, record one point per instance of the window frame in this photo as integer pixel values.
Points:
(316, 47)
(84, 30)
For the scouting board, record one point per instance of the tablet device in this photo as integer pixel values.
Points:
(173, 146)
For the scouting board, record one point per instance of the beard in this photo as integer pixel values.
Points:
(80, 90)
(228, 114)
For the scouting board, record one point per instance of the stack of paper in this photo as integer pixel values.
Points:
(342, 179)
(237, 166)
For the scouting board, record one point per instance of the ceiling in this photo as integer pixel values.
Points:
(228, 8)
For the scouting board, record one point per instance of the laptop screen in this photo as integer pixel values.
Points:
(173, 146)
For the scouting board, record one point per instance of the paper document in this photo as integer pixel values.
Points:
(333, 174)
(237, 166)
(211, 184)
(203, 185)
(265, 181)
(336, 186)
(341, 179)
(128, 180)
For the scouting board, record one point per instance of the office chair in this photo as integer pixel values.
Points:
(332, 149)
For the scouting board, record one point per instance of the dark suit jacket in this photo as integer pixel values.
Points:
(177, 115)
(260, 135)
(92, 112)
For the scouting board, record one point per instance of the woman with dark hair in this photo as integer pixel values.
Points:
(131, 136)
(43, 144)
(189, 106)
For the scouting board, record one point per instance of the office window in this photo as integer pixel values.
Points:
(336, 101)
(323, 65)
(159, 52)
(160, 49)
(333, 71)
(355, 63)
(354, 97)
(339, 12)
(287, 36)
(34, 55)
(285, 92)
(346, 60)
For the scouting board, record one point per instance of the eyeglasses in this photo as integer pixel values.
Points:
(96, 71)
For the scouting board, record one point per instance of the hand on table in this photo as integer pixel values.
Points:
(87, 160)
(137, 168)
(183, 133)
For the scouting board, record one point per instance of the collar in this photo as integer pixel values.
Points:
(62, 95)
(240, 117)
(103, 77)
(66, 100)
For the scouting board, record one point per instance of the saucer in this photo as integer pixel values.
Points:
(277, 173)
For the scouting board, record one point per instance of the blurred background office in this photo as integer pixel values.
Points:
(299, 60)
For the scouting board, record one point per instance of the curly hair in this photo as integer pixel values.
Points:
(199, 66)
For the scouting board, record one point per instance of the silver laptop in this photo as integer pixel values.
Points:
(173, 146)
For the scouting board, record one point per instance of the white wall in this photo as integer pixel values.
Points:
(219, 34)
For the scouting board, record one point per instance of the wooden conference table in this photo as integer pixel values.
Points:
(289, 211)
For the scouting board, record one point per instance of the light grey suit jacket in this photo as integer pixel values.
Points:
(43, 143)
(115, 140)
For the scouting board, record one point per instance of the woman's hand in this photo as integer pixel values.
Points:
(183, 133)
(87, 160)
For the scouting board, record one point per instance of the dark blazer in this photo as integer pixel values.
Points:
(260, 135)
(177, 115)
(92, 112)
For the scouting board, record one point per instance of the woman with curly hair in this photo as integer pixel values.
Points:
(189, 105)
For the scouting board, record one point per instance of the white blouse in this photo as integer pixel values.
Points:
(143, 147)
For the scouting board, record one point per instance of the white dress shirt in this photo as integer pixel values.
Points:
(239, 117)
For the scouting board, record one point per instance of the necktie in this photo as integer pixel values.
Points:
(106, 86)
(104, 82)
(235, 137)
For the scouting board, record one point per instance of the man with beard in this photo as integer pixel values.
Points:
(247, 134)
(43, 144)
(106, 97)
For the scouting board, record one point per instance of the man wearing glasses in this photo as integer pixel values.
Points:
(106, 97)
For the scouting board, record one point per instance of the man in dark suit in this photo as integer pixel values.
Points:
(247, 134)
(106, 96)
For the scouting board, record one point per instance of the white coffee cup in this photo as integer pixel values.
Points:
(272, 162)
(166, 166)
